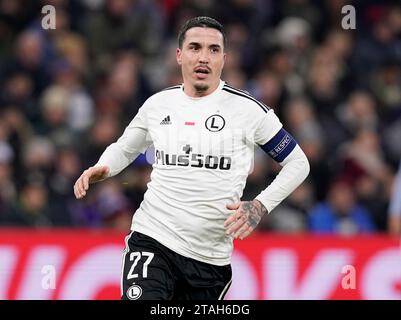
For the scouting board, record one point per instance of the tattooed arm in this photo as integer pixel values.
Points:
(247, 214)
(245, 219)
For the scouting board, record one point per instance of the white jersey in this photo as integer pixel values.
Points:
(203, 149)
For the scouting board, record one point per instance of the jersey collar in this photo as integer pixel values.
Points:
(208, 97)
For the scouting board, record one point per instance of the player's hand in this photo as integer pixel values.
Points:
(244, 220)
(90, 175)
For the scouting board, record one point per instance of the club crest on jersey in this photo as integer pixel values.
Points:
(134, 292)
(215, 123)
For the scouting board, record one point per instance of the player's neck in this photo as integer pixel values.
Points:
(192, 91)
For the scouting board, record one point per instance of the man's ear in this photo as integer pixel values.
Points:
(178, 53)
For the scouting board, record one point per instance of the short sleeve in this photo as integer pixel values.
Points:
(273, 138)
(267, 127)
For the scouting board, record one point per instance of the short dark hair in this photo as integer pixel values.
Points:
(203, 22)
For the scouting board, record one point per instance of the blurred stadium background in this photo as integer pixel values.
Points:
(67, 93)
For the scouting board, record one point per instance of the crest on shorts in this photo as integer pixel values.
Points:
(134, 292)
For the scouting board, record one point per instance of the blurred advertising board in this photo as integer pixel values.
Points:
(86, 264)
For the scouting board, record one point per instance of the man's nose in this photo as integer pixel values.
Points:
(204, 56)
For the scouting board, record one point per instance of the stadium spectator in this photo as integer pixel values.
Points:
(67, 166)
(340, 213)
(28, 59)
(302, 122)
(357, 113)
(32, 209)
(123, 23)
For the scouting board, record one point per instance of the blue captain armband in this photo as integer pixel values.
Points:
(280, 146)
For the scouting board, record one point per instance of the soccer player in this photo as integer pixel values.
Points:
(203, 132)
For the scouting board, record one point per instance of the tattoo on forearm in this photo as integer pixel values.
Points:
(253, 211)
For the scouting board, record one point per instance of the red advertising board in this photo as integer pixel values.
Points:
(86, 264)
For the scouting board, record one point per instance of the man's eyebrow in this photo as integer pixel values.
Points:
(194, 44)
(199, 45)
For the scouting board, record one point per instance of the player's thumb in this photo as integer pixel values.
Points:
(233, 206)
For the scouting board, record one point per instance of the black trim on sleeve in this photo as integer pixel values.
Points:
(244, 95)
(173, 87)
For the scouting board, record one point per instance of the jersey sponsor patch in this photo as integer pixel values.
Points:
(193, 160)
(280, 146)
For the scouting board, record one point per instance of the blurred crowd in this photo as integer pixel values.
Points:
(67, 93)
